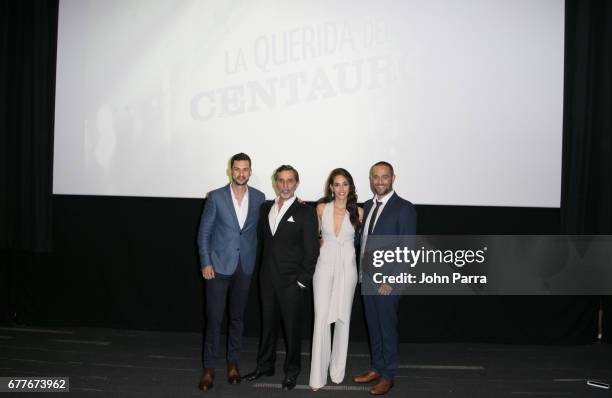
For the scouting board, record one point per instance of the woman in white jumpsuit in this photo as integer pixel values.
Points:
(335, 278)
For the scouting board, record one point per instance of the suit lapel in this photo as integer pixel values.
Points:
(367, 206)
(251, 211)
(266, 218)
(230, 204)
(382, 218)
(286, 216)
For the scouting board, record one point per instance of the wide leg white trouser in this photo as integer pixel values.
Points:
(333, 290)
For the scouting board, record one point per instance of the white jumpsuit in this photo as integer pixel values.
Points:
(334, 284)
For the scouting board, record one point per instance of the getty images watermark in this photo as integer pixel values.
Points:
(488, 265)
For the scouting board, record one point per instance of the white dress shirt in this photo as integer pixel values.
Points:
(241, 209)
(276, 215)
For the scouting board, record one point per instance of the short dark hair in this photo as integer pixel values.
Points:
(383, 163)
(286, 167)
(239, 156)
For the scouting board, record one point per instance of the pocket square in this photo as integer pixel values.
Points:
(290, 219)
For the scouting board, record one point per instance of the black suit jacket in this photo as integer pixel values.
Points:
(290, 255)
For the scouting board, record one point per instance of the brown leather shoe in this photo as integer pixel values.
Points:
(233, 375)
(207, 380)
(367, 377)
(382, 387)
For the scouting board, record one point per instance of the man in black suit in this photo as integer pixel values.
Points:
(290, 247)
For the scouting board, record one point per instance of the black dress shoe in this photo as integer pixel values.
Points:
(289, 383)
(257, 373)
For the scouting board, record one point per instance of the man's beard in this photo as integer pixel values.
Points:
(385, 191)
(236, 182)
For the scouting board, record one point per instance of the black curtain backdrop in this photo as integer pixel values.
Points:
(27, 73)
(586, 200)
(28, 37)
(586, 191)
(132, 262)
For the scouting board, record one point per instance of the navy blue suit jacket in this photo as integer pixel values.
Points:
(220, 239)
(398, 217)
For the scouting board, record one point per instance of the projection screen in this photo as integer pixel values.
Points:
(464, 98)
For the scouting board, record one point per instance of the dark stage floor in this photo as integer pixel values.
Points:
(105, 362)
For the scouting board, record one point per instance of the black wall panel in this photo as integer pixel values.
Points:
(130, 262)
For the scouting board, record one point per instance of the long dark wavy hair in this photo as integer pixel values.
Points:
(351, 198)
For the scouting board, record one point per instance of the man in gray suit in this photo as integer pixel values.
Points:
(227, 242)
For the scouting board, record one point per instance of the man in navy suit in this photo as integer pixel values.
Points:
(385, 214)
(227, 242)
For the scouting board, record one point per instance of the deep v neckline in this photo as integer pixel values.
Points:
(337, 235)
